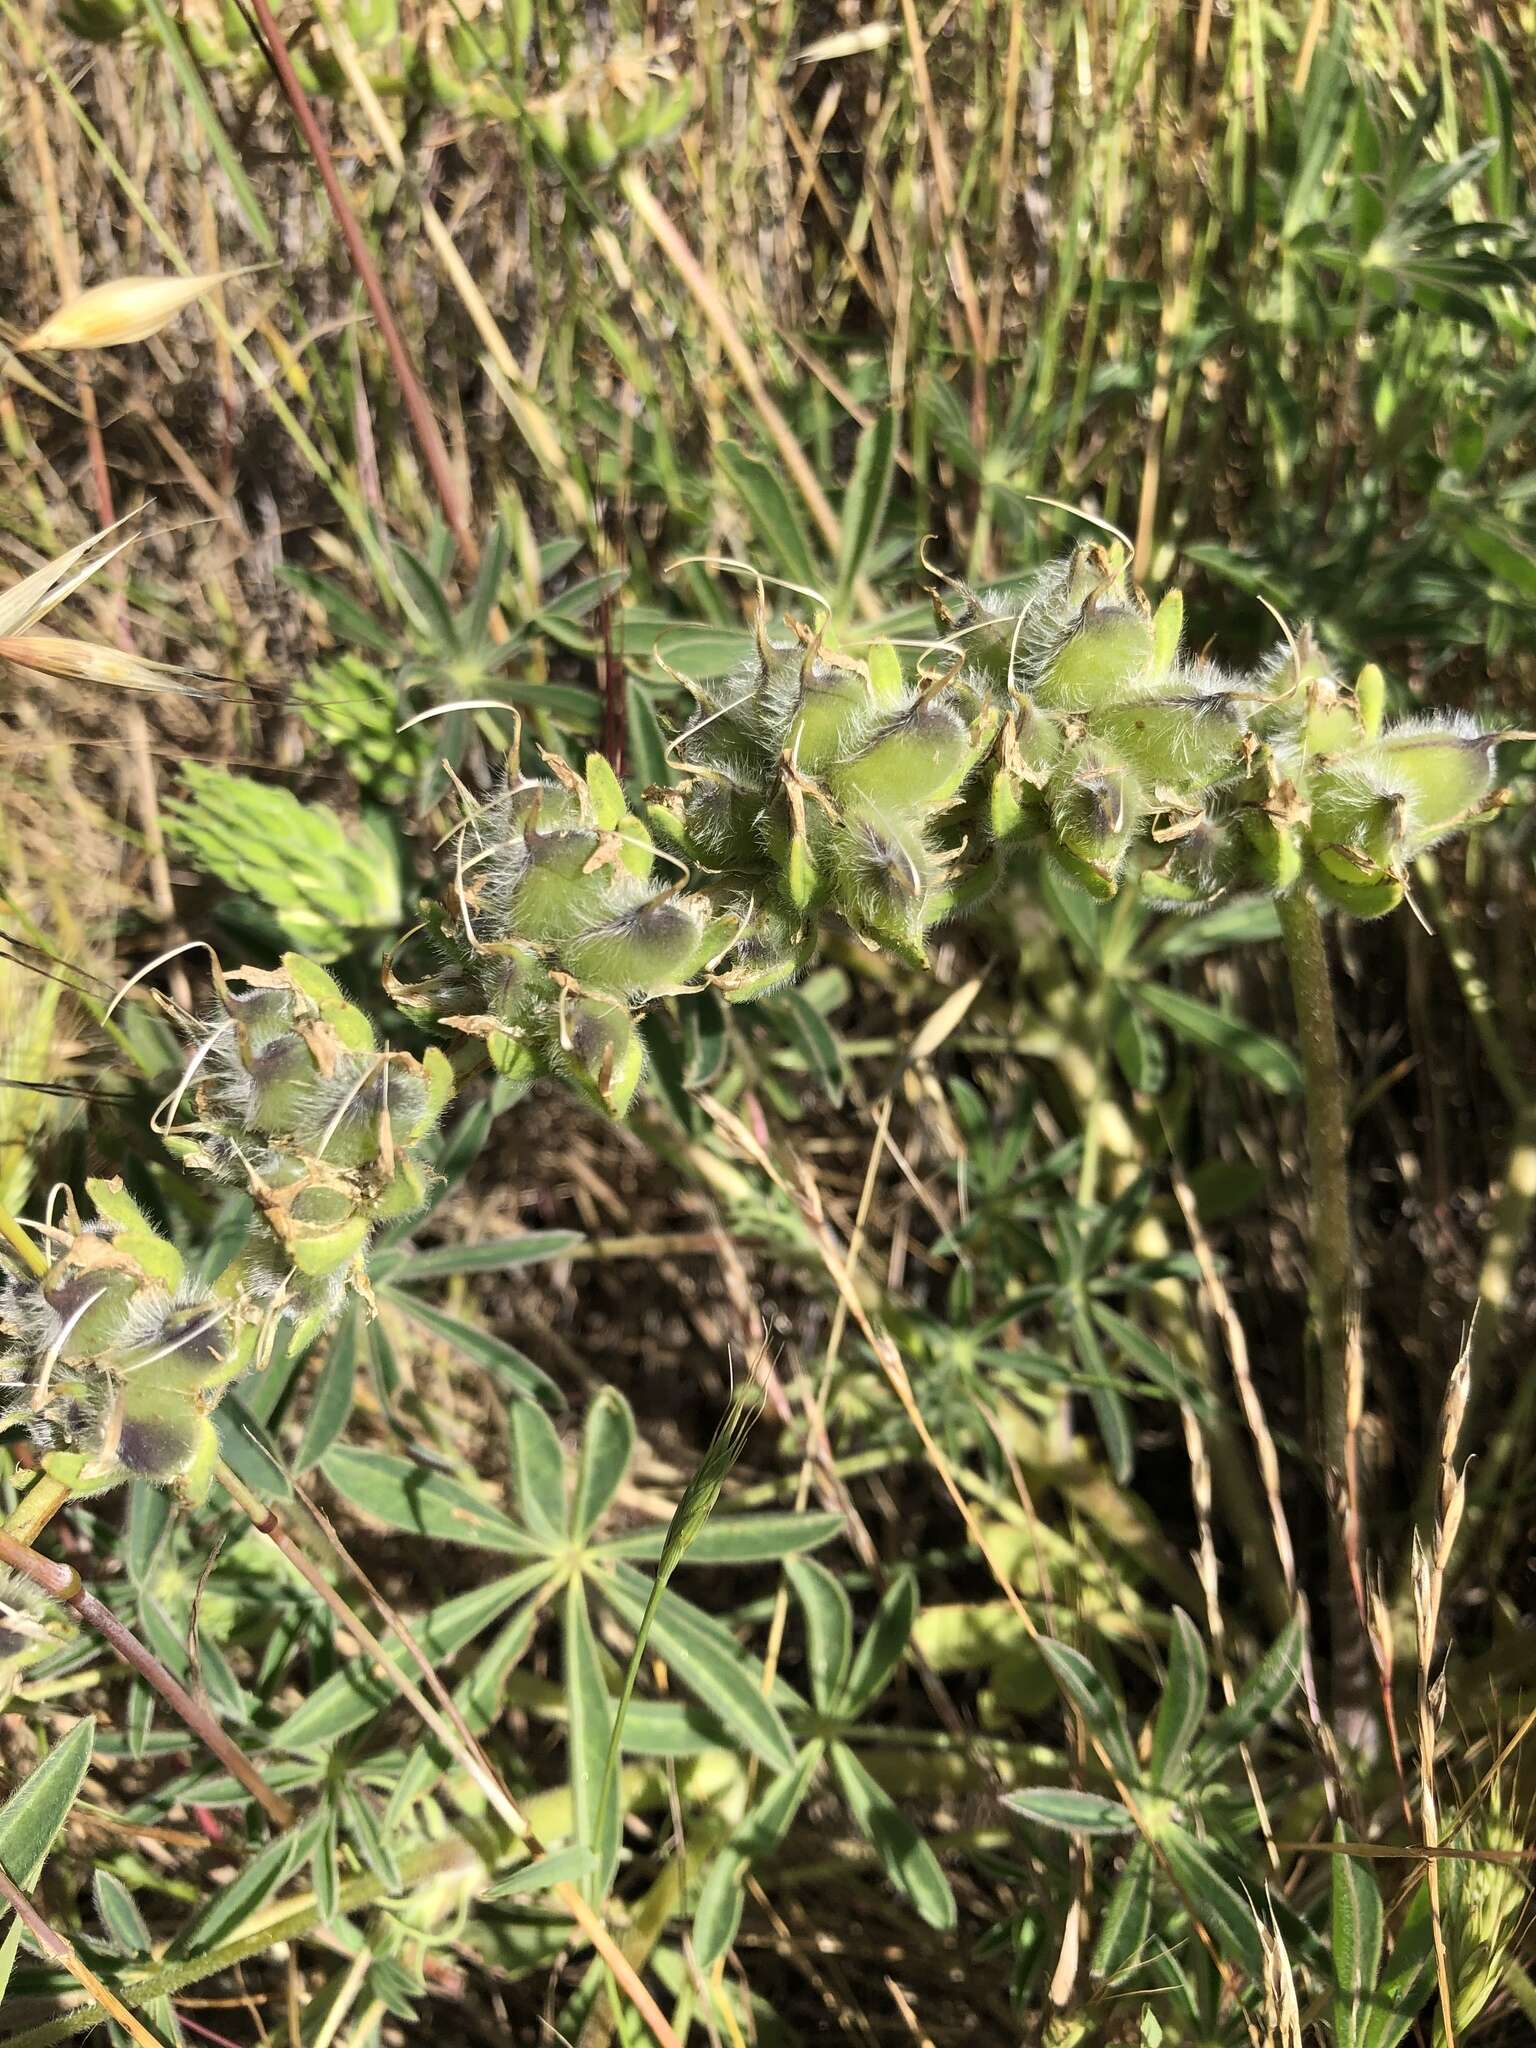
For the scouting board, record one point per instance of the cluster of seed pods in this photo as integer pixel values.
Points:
(1121, 754)
(115, 1355)
(563, 919)
(816, 784)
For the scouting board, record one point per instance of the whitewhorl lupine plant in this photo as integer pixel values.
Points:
(816, 783)
(820, 783)
(115, 1355)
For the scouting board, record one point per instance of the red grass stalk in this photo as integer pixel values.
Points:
(423, 425)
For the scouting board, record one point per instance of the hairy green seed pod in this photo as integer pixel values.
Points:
(598, 1046)
(1179, 743)
(1094, 806)
(113, 1356)
(883, 880)
(1445, 774)
(915, 762)
(1108, 655)
(836, 703)
(655, 946)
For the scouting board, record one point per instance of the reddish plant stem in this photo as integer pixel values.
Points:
(54, 1945)
(423, 425)
(62, 1582)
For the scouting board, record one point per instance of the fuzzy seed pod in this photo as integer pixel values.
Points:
(1117, 752)
(561, 923)
(114, 1357)
(819, 783)
(292, 1100)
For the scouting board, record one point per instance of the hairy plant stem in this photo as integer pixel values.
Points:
(1334, 1309)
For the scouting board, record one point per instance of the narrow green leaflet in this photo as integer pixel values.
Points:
(1108, 1403)
(331, 1403)
(1182, 1707)
(516, 1373)
(828, 1629)
(591, 1723)
(864, 502)
(776, 524)
(499, 1257)
(1127, 1917)
(32, 1816)
(737, 1539)
(1063, 1806)
(357, 1692)
(1246, 922)
(250, 1450)
(1153, 1361)
(607, 1445)
(1251, 1052)
(407, 1496)
(724, 1677)
(538, 1473)
(119, 1914)
(1094, 1701)
(149, 1516)
(1406, 1981)
(1266, 1692)
(904, 1856)
(252, 1887)
(1357, 1927)
(883, 1646)
(1226, 1915)
(562, 1866)
(754, 1838)
(366, 1836)
(817, 1041)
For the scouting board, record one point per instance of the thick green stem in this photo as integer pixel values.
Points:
(1333, 1290)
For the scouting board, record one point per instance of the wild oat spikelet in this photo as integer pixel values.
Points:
(122, 310)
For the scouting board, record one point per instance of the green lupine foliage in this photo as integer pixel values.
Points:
(116, 1356)
(354, 709)
(325, 887)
